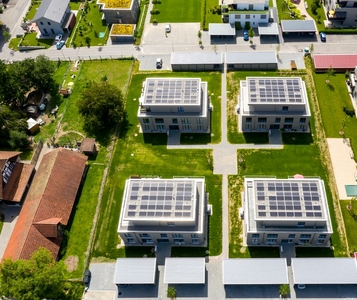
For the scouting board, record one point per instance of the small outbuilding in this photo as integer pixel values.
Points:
(251, 61)
(185, 270)
(298, 27)
(88, 146)
(338, 62)
(32, 126)
(196, 61)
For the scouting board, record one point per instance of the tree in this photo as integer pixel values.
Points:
(42, 74)
(251, 34)
(101, 105)
(311, 48)
(284, 290)
(18, 140)
(171, 293)
(37, 278)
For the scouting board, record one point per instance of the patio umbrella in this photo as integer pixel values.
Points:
(297, 176)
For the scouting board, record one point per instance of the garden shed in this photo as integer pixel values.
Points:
(194, 61)
(88, 146)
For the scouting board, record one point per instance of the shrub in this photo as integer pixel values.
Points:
(238, 26)
(247, 25)
(349, 111)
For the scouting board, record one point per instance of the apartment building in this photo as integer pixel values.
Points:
(174, 104)
(342, 13)
(156, 210)
(293, 210)
(273, 103)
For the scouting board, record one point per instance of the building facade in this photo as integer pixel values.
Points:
(156, 210)
(342, 13)
(174, 104)
(286, 210)
(273, 103)
(253, 12)
(120, 12)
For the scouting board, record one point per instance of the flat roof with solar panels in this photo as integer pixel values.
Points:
(284, 198)
(172, 91)
(158, 199)
(276, 90)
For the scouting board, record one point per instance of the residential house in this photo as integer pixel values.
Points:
(54, 17)
(174, 104)
(252, 12)
(120, 11)
(273, 103)
(156, 210)
(342, 13)
(293, 210)
(15, 177)
(48, 205)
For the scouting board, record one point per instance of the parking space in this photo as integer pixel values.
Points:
(148, 62)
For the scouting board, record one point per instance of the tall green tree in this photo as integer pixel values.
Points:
(251, 34)
(42, 75)
(40, 277)
(101, 105)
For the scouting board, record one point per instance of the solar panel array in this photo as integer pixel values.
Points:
(172, 91)
(160, 199)
(275, 90)
(288, 199)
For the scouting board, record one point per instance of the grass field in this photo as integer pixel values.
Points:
(350, 220)
(210, 17)
(147, 155)
(31, 40)
(319, 17)
(299, 156)
(177, 11)
(14, 43)
(32, 10)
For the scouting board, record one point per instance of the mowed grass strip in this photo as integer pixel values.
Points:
(147, 155)
(299, 156)
(178, 11)
(350, 219)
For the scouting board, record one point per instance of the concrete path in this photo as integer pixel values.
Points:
(343, 163)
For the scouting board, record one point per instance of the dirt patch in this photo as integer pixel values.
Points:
(71, 263)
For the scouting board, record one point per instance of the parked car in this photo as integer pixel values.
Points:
(59, 45)
(58, 38)
(159, 63)
(87, 278)
(323, 36)
(168, 28)
(245, 35)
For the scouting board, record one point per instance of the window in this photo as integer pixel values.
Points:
(248, 120)
(144, 235)
(170, 223)
(195, 241)
(302, 120)
(248, 126)
(128, 235)
(305, 236)
(185, 121)
(301, 224)
(177, 235)
(291, 236)
(322, 236)
(44, 29)
(271, 241)
(180, 109)
(174, 121)
(247, 17)
(194, 235)
(255, 235)
(53, 32)
(147, 241)
(237, 17)
(199, 121)
(159, 121)
(263, 17)
(179, 241)
(320, 242)
(49, 23)
(272, 236)
(255, 241)
(146, 127)
(304, 241)
(250, 7)
(131, 241)
(163, 235)
(160, 127)
(186, 127)
(262, 120)
(146, 121)
(289, 120)
(277, 120)
(199, 127)
(285, 108)
(41, 23)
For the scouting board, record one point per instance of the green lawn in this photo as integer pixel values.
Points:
(30, 40)
(284, 12)
(74, 5)
(299, 156)
(89, 28)
(210, 17)
(32, 10)
(350, 220)
(319, 17)
(147, 154)
(331, 102)
(178, 11)
(14, 43)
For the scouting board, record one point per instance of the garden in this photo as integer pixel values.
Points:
(179, 11)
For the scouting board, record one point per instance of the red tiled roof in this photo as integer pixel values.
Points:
(6, 155)
(335, 61)
(51, 195)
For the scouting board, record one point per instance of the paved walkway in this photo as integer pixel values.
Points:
(343, 163)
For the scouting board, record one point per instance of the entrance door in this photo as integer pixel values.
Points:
(174, 127)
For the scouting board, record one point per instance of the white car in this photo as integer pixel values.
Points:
(167, 28)
(58, 38)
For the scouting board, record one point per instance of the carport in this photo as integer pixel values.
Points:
(182, 270)
(330, 270)
(221, 30)
(135, 271)
(298, 27)
(251, 61)
(257, 271)
(268, 30)
(182, 61)
(339, 62)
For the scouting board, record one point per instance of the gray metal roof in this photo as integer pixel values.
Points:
(268, 29)
(184, 270)
(196, 58)
(240, 271)
(331, 270)
(298, 26)
(221, 29)
(251, 57)
(52, 10)
(135, 271)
